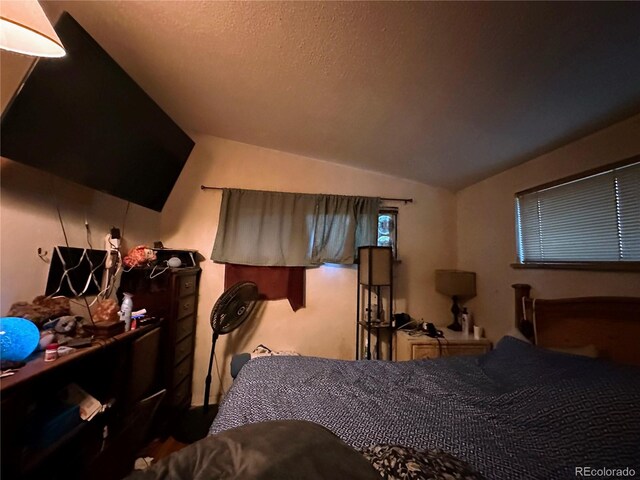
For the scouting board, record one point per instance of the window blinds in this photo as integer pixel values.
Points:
(592, 219)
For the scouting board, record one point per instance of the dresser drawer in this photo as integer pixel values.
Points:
(181, 371)
(419, 352)
(183, 349)
(184, 327)
(172, 296)
(181, 393)
(462, 349)
(186, 306)
(187, 285)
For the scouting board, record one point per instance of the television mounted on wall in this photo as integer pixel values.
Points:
(83, 118)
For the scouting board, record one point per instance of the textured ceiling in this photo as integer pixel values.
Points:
(443, 93)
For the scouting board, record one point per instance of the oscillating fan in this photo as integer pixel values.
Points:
(233, 308)
(229, 312)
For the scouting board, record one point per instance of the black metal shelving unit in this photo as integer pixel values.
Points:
(375, 276)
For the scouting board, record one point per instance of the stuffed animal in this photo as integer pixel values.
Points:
(139, 256)
(41, 309)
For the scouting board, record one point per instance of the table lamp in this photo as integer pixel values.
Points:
(375, 267)
(455, 284)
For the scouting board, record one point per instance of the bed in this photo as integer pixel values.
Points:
(519, 411)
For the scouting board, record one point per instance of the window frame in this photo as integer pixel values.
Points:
(628, 266)
(393, 211)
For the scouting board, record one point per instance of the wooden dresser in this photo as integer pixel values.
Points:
(41, 440)
(172, 295)
(419, 346)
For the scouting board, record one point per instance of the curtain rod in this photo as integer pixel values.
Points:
(405, 200)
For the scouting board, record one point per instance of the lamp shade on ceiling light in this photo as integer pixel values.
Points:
(456, 283)
(24, 28)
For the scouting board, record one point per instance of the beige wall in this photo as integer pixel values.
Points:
(29, 220)
(326, 327)
(486, 229)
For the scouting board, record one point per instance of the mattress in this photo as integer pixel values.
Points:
(516, 412)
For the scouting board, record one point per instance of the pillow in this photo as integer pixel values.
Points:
(584, 351)
(514, 364)
(516, 333)
(237, 362)
(396, 462)
(283, 449)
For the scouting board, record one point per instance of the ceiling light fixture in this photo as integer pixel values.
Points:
(24, 28)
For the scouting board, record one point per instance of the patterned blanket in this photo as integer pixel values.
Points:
(516, 412)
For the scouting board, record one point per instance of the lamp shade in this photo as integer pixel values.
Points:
(24, 28)
(19, 337)
(375, 265)
(456, 283)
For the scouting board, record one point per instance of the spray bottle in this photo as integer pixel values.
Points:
(125, 311)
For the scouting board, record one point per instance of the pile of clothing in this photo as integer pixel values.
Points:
(238, 360)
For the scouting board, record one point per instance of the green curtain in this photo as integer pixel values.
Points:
(293, 229)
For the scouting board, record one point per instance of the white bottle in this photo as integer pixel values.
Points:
(125, 311)
(466, 322)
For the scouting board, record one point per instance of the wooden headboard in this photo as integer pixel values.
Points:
(611, 324)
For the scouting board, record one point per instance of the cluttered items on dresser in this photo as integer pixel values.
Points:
(144, 256)
(46, 326)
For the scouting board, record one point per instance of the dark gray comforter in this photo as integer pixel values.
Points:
(517, 412)
(280, 450)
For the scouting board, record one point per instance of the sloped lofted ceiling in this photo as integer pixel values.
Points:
(442, 93)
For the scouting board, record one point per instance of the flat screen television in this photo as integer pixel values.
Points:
(83, 118)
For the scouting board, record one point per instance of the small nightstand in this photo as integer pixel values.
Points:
(419, 346)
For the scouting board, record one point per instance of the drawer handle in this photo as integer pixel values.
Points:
(186, 306)
(187, 284)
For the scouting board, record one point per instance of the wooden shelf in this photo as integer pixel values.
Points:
(375, 324)
(36, 457)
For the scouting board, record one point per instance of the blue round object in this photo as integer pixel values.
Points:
(19, 337)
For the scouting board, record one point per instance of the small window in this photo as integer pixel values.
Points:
(592, 219)
(387, 229)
